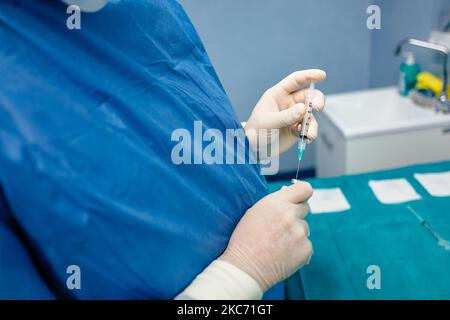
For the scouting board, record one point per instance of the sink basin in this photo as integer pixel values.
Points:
(375, 111)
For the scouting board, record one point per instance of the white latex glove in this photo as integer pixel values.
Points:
(271, 241)
(282, 107)
(268, 245)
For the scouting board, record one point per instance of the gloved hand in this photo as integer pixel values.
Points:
(282, 107)
(271, 241)
(268, 245)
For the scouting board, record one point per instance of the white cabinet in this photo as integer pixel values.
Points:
(378, 129)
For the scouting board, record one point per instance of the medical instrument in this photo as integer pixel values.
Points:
(441, 241)
(305, 125)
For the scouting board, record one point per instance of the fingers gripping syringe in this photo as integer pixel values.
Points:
(306, 121)
(305, 125)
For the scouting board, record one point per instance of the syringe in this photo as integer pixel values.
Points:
(441, 241)
(305, 125)
(306, 121)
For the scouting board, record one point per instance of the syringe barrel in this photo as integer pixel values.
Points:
(307, 118)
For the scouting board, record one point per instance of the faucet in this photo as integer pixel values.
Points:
(444, 104)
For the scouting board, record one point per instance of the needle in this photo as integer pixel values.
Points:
(298, 167)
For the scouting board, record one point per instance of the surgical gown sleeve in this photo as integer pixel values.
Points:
(86, 123)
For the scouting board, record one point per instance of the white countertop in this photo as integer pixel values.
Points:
(379, 111)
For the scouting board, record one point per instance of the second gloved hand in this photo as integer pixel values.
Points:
(271, 240)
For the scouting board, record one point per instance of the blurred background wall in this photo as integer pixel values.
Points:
(255, 43)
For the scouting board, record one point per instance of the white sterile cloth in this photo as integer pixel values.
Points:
(328, 200)
(437, 184)
(392, 191)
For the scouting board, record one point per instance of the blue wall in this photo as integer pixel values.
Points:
(253, 44)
